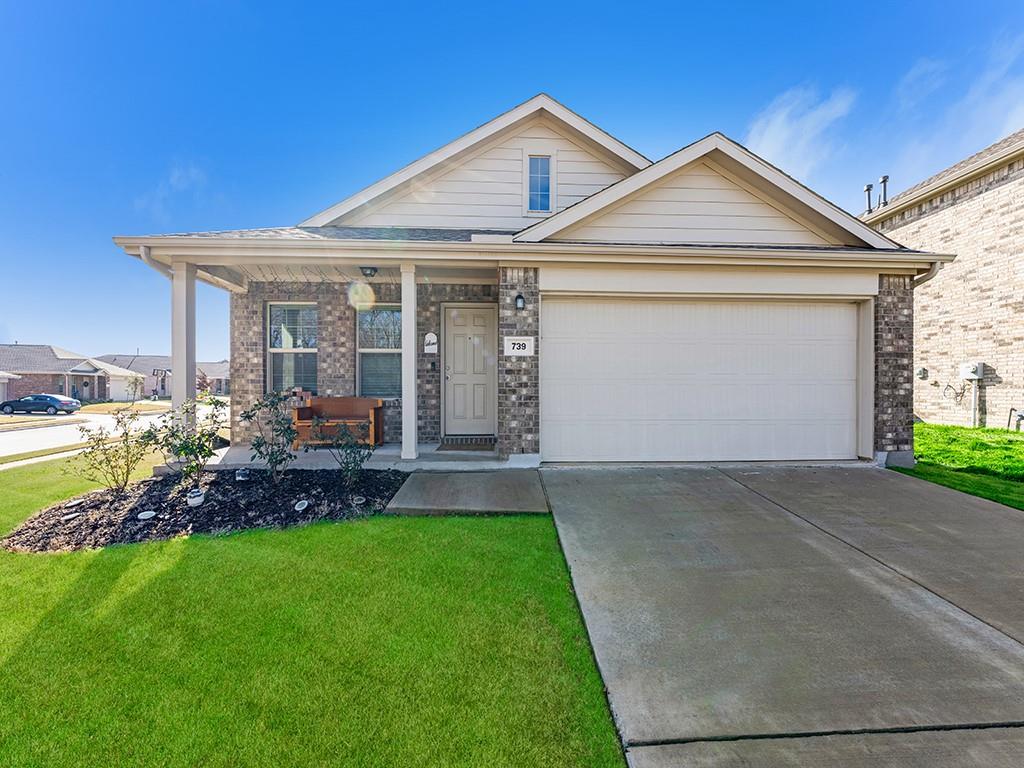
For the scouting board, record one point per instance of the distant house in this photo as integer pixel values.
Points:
(4, 378)
(43, 368)
(971, 313)
(157, 372)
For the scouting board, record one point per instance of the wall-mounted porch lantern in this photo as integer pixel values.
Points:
(368, 272)
(520, 302)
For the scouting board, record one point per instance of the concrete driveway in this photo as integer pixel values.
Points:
(785, 616)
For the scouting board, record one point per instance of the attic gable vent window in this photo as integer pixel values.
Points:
(540, 184)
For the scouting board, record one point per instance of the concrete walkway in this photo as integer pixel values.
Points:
(782, 616)
(439, 493)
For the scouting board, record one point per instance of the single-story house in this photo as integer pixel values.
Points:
(157, 373)
(969, 320)
(45, 369)
(4, 378)
(542, 285)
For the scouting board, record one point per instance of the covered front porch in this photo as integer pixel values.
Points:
(425, 337)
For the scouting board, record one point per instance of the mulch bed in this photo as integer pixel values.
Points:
(100, 518)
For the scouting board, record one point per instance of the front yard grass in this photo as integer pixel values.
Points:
(139, 406)
(983, 462)
(385, 642)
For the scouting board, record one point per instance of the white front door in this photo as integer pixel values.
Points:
(470, 370)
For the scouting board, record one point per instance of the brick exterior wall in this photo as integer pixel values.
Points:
(894, 357)
(973, 311)
(336, 363)
(53, 384)
(33, 384)
(518, 377)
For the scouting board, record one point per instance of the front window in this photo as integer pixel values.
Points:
(292, 333)
(540, 183)
(379, 334)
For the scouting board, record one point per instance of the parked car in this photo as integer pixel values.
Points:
(50, 404)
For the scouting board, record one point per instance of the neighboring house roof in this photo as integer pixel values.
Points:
(1003, 151)
(141, 364)
(220, 369)
(538, 105)
(348, 233)
(806, 206)
(144, 365)
(115, 370)
(43, 358)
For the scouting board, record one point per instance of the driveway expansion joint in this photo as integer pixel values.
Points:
(816, 734)
(867, 554)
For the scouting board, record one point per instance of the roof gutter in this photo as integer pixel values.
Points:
(932, 272)
(149, 261)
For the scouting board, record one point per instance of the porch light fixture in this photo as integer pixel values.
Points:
(520, 302)
(368, 272)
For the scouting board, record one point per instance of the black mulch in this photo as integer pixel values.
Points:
(100, 518)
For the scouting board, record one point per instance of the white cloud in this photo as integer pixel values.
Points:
(180, 179)
(795, 132)
(920, 81)
(991, 107)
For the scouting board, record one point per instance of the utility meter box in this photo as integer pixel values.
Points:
(972, 371)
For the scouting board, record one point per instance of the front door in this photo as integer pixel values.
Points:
(470, 370)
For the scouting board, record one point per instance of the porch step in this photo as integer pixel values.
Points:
(468, 443)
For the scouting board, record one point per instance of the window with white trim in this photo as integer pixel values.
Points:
(292, 334)
(539, 184)
(379, 351)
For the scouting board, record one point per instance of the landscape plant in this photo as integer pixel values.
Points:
(274, 432)
(135, 386)
(110, 457)
(186, 441)
(346, 446)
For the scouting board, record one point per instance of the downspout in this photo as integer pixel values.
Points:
(933, 270)
(149, 261)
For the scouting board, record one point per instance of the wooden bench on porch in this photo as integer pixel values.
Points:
(321, 417)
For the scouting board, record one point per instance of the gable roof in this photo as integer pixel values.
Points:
(539, 104)
(801, 201)
(45, 358)
(144, 365)
(1003, 151)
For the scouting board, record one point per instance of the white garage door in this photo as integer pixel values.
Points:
(672, 380)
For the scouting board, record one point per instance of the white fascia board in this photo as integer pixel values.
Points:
(537, 103)
(616, 192)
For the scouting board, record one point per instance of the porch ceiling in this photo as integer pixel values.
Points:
(319, 273)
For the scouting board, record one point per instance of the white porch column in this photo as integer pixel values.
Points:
(409, 415)
(183, 333)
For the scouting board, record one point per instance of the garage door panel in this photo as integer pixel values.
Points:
(625, 380)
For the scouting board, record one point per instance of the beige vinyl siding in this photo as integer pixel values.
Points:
(486, 191)
(696, 204)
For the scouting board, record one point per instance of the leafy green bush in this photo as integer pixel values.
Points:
(110, 456)
(186, 441)
(274, 432)
(346, 446)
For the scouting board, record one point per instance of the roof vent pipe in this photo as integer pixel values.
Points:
(884, 199)
(867, 194)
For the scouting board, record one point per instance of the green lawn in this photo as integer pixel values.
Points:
(387, 642)
(983, 462)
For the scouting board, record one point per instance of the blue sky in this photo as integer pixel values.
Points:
(135, 118)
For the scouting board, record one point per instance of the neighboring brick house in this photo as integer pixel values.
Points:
(156, 373)
(539, 285)
(45, 369)
(973, 310)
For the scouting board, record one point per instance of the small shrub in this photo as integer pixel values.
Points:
(346, 448)
(111, 457)
(186, 442)
(274, 432)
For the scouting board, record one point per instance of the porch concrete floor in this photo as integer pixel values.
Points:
(388, 456)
